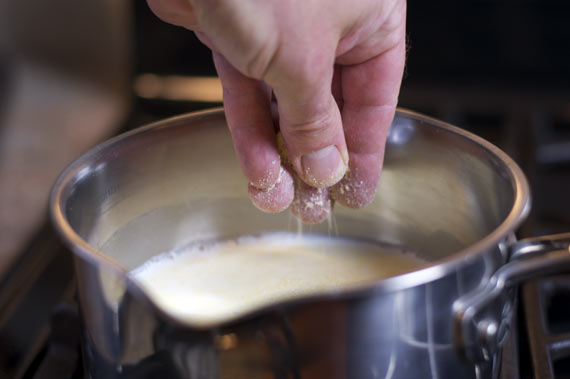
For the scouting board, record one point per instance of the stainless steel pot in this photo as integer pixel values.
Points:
(444, 193)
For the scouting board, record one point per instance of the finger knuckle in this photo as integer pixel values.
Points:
(314, 129)
(259, 56)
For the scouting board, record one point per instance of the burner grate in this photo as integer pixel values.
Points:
(547, 313)
(61, 358)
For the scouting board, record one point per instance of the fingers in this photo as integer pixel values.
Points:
(276, 49)
(277, 198)
(309, 117)
(270, 41)
(247, 106)
(311, 205)
(248, 114)
(370, 93)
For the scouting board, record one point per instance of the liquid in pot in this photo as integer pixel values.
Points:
(207, 284)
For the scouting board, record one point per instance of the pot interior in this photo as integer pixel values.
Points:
(177, 182)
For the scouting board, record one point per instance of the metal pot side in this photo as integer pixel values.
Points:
(444, 193)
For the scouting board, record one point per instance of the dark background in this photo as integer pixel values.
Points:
(517, 43)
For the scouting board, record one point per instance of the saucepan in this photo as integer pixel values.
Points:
(445, 194)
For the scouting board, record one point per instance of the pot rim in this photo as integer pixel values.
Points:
(437, 269)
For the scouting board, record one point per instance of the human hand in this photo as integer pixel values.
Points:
(334, 70)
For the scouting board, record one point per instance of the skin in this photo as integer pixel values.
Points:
(328, 73)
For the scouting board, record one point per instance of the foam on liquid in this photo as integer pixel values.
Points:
(205, 285)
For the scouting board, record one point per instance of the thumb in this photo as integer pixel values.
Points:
(310, 121)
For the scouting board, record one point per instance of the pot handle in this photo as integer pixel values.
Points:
(482, 318)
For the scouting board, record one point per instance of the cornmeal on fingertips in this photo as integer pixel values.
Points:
(355, 190)
(308, 203)
(277, 198)
(311, 205)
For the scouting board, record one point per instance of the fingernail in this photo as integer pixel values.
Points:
(324, 167)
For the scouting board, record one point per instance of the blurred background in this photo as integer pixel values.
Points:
(75, 73)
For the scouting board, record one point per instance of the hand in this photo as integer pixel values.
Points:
(329, 71)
